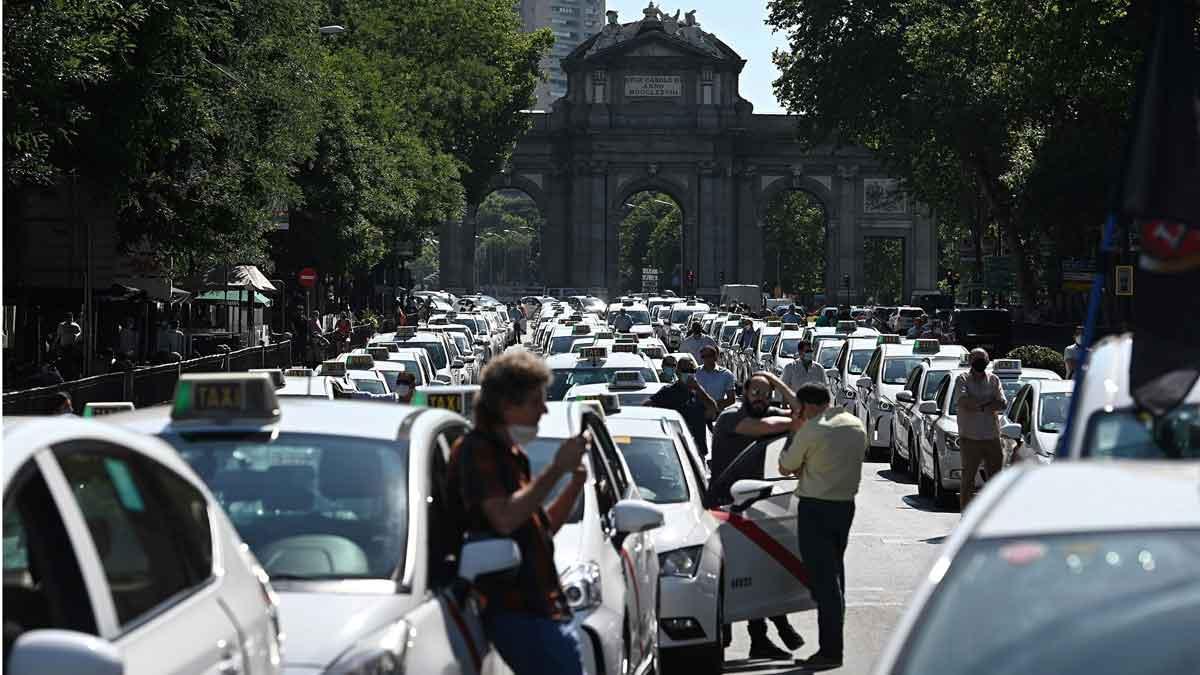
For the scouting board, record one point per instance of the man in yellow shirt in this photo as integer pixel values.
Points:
(826, 456)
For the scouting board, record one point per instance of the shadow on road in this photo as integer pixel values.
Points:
(896, 477)
(922, 504)
(761, 667)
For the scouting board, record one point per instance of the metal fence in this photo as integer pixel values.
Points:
(145, 386)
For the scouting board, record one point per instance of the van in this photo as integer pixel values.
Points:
(746, 294)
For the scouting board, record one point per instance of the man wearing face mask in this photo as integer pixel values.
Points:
(826, 457)
(669, 370)
(735, 429)
(696, 341)
(803, 370)
(1073, 354)
(406, 384)
(689, 399)
(980, 399)
(489, 473)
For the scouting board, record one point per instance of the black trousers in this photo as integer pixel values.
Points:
(823, 529)
(758, 627)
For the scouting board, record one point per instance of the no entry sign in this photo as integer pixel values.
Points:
(308, 277)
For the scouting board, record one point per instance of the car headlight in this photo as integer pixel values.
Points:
(885, 406)
(682, 562)
(952, 442)
(581, 584)
(381, 653)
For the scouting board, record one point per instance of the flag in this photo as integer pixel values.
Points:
(1160, 191)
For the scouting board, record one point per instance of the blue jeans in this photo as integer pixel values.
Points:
(824, 530)
(515, 634)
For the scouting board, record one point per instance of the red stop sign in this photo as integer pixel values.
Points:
(308, 277)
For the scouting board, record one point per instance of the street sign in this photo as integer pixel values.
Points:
(307, 277)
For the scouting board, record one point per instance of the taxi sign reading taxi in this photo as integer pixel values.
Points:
(307, 277)
(1006, 365)
(453, 402)
(888, 339)
(99, 408)
(360, 362)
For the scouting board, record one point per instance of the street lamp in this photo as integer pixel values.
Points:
(331, 30)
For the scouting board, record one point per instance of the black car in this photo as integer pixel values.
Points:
(990, 329)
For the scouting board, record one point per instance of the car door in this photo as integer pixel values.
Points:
(763, 572)
(158, 564)
(835, 379)
(862, 402)
(906, 411)
(927, 441)
(636, 550)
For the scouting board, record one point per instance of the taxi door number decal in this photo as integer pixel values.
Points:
(764, 541)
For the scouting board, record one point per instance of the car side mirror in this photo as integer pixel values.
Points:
(635, 515)
(831, 372)
(456, 364)
(864, 382)
(747, 491)
(1011, 431)
(928, 408)
(63, 652)
(468, 359)
(905, 396)
(488, 556)
(442, 379)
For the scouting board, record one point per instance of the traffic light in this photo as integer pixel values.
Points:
(691, 277)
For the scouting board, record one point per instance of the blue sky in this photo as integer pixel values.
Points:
(739, 24)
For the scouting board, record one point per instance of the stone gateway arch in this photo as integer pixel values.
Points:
(654, 105)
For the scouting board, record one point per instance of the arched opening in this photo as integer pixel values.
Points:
(649, 244)
(883, 270)
(795, 225)
(508, 241)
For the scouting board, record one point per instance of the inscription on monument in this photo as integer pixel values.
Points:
(641, 86)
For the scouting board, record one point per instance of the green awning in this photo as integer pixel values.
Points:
(233, 297)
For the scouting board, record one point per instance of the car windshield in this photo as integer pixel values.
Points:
(1127, 434)
(933, 380)
(897, 368)
(311, 506)
(371, 386)
(789, 348)
(1053, 414)
(409, 367)
(437, 353)
(565, 378)
(859, 359)
(1070, 604)
(828, 357)
(727, 333)
(911, 313)
(463, 345)
(563, 343)
(655, 466)
(634, 398)
(541, 452)
(578, 345)
(768, 343)
(681, 315)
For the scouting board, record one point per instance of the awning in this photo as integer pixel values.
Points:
(239, 276)
(232, 298)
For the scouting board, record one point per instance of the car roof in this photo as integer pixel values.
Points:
(1053, 386)
(857, 343)
(642, 412)
(614, 360)
(604, 388)
(562, 419)
(1068, 497)
(632, 426)
(360, 419)
(306, 386)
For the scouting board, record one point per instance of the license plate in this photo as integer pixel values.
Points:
(452, 402)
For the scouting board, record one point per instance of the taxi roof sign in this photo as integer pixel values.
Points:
(581, 329)
(607, 402)
(791, 326)
(406, 331)
(333, 368)
(378, 353)
(459, 399)
(101, 408)
(625, 348)
(847, 326)
(604, 335)
(277, 376)
(927, 346)
(593, 353)
(359, 362)
(626, 337)
(888, 339)
(654, 352)
(627, 379)
(298, 372)
(1006, 365)
(221, 398)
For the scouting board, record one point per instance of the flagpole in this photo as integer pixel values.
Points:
(1089, 331)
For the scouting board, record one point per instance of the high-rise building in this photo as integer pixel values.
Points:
(572, 22)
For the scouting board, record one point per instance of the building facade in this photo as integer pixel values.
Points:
(572, 22)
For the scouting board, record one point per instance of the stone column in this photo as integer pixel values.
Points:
(849, 234)
(749, 229)
(556, 233)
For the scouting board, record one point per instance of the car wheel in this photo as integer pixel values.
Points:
(941, 496)
(924, 485)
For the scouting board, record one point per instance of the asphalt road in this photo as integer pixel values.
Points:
(895, 538)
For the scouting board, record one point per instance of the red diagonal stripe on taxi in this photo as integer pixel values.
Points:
(461, 622)
(766, 542)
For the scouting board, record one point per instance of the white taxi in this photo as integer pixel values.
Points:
(851, 362)
(446, 369)
(594, 365)
(1075, 567)
(639, 318)
(884, 377)
(358, 370)
(605, 553)
(1035, 419)
(345, 505)
(939, 465)
(117, 559)
(909, 423)
(629, 386)
(681, 316)
(1108, 424)
(785, 350)
(565, 336)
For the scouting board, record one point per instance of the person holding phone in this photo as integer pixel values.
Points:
(489, 473)
(686, 397)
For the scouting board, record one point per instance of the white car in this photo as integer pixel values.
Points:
(344, 504)
(117, 559)
(1075, 567)
(909, 423)
(604, 553)
(851, 362)
(1107, 423)
(884, 377)
(315, 387)
(628, 386)
(939, 465)
(593, 365)
(446, 369)
(681, 317)
(1035, 420)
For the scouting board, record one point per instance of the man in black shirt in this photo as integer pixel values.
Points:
(689, 399)
(736, 429)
